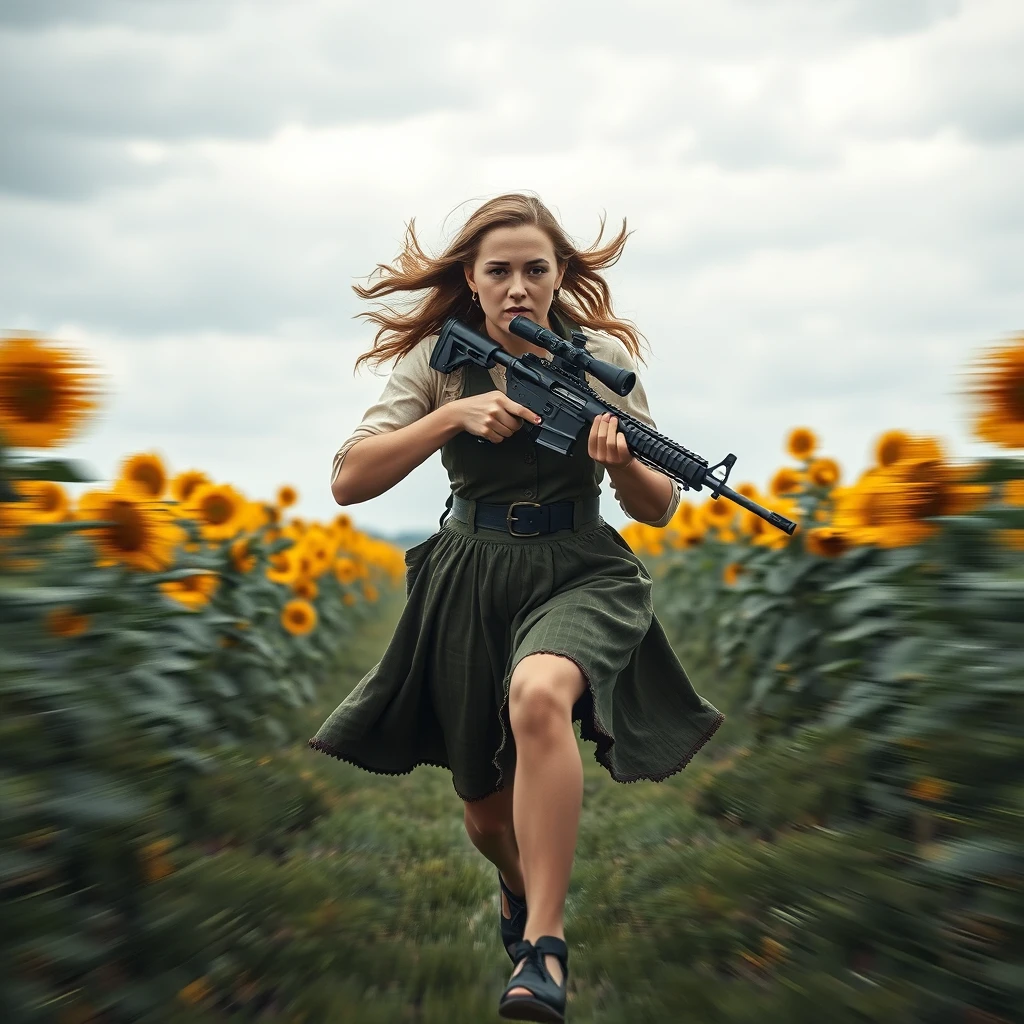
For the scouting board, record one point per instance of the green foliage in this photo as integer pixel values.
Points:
(120, 762)
(886, 695)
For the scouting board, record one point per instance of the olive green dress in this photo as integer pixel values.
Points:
(479, 601)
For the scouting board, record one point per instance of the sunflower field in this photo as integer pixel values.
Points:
(149, 631)
(852, 844)
(875, 663)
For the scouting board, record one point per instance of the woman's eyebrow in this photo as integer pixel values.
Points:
(504, 263)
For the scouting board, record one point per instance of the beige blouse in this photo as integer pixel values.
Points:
(415, 389)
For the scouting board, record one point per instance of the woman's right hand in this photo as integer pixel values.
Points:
(492, 415)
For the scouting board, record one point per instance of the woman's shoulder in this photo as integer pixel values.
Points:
(606, 346)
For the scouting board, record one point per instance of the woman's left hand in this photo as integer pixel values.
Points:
(607, 444)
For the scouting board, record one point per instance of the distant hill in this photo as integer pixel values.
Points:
(404, 540)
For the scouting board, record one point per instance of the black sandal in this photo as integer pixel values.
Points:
(513, 927)
(547, 1004)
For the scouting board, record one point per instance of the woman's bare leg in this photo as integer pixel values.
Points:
(548, 794)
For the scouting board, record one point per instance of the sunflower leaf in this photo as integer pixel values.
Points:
(57, 470)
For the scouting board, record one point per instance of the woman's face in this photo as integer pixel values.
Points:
(515, 272)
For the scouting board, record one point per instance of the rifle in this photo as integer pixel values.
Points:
(558, 392)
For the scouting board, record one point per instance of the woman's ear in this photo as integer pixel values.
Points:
(468, 271)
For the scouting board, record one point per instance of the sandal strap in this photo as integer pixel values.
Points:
(515, 902)
(546, 945)
(534, 975)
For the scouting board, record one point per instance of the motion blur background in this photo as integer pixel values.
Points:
(829, 235)
(825, 196)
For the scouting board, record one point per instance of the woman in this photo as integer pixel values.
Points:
(520, 619)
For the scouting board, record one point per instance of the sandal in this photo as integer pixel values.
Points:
(512, 928)
(547, 1003)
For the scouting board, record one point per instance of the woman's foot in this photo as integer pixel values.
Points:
(554, 967)
(543, 965)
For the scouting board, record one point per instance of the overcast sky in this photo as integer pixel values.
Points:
(826, 199)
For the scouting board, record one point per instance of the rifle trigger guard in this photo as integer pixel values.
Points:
(729, 461)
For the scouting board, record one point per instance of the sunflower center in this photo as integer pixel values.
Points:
(1014, 398)
(34, 394)
(217, 510)
(150, 477)
(128, 531)
(872, 510)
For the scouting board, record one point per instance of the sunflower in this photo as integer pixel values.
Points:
(283, 567)
(185, 483)
(785, 481)
(371, 593)
(298, 617)
(254, 517)
(218, 509)
(65, 623)
(343, 521)
(1013, 492)
(824, 472)
(306, 589)
(718, 512)
(922, 489)
(46, 393)
(997, 392)
(242, 558)
(801, 443)
(860, 510)
(192, 591)
(139, 534)
(286, 496)
(145, 472)
(345, 570)
(892, 446)
(732, 573)
(46, 501)
(827, 541)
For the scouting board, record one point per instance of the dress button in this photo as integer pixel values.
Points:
(529, 494)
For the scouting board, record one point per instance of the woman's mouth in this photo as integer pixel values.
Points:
(516, 310)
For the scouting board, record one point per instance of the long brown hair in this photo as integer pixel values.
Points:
(584, 296)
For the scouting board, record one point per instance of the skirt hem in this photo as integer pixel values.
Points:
(323, 748)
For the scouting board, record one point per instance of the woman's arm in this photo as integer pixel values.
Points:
(401, 430)
(645, 494)
(375, 464)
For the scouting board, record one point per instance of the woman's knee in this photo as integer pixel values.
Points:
(542, 692)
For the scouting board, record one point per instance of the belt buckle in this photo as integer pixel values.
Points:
(509, 517)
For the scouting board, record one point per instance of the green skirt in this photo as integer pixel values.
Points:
(477, 604)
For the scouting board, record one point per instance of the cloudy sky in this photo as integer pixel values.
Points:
(825, 197)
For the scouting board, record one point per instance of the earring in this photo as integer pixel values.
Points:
(475, 299)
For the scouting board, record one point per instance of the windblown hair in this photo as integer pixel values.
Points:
(583, 297)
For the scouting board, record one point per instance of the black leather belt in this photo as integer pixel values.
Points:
(525, 518)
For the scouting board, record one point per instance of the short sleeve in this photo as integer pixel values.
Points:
(410, 393)
(610, 349)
